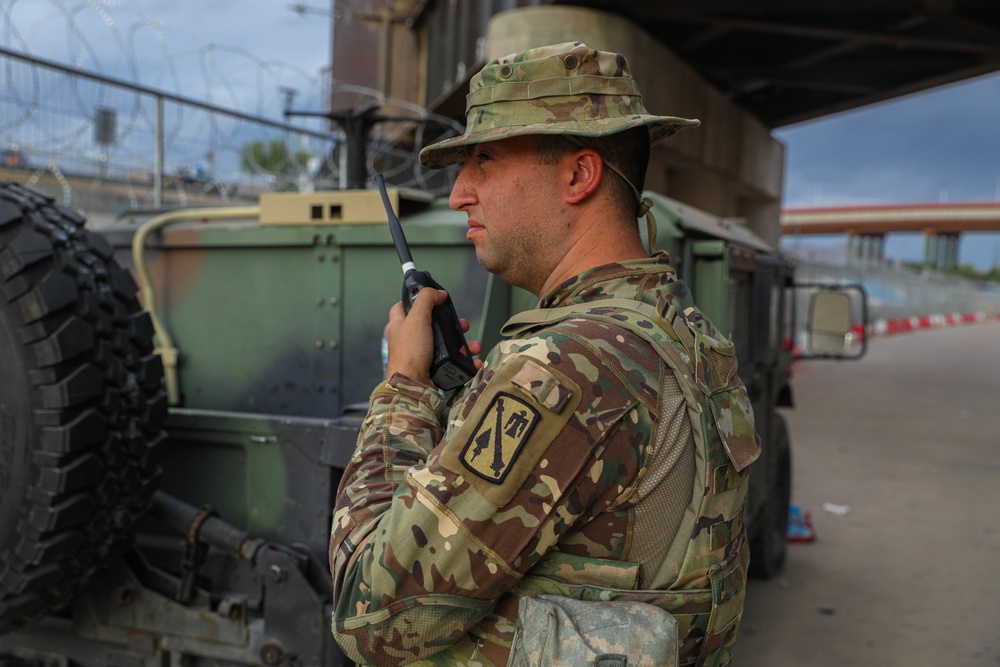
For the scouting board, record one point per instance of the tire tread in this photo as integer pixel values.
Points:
(95, 395)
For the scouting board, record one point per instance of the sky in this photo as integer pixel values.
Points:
(941, 145)
(234, 53)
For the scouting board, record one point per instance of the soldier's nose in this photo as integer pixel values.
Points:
(462, 194)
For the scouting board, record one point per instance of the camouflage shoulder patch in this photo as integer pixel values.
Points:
(519, 413)
(499, 437)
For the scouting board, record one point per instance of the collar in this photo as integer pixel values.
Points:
(619, 279)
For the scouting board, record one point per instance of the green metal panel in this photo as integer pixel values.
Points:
(231, 462)
(711, 280)
(501, 301)
(244, 307)
(373, 283)
(690, 221)
(271, 476)
(288, 319)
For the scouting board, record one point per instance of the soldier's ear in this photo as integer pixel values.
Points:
(585, 170)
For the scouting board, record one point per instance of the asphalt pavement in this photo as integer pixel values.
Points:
(897, 459)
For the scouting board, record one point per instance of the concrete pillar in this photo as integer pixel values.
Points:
(942, 251)
(930, 248)
(760, 214)
(879, 249)
(951, 258)
(865, 249)
(707, 191)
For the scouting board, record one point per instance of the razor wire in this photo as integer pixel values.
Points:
(109, 110)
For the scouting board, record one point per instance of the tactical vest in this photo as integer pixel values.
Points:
(709, 553)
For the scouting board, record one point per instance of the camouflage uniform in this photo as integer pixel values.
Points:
(600, 453)
(443, 512)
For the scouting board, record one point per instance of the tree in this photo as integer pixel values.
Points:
(273, 160)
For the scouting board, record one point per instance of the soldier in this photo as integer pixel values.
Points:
(580, 500)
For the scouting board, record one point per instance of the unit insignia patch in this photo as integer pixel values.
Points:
(499, 437)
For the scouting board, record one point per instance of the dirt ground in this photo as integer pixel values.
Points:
(904, 448)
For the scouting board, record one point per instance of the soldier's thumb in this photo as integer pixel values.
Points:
(425, 301)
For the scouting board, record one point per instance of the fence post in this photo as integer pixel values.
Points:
(158, 155)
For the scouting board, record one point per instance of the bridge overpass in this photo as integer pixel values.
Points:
(866, 227)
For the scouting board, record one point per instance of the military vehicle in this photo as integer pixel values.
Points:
(169, 460)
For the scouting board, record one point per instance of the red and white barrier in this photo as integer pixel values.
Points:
(889, 327)
(886, 327)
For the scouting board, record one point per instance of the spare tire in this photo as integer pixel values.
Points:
(81, 406)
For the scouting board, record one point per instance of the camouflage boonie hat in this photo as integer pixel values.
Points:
(566, 88)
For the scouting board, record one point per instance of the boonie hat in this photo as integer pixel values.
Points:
(565, 88)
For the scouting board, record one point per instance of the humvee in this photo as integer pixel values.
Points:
(170, 455)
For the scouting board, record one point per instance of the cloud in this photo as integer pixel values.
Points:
(923, 148)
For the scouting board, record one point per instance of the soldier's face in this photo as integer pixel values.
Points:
(508, 194)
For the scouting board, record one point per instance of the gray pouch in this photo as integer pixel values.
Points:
(558, 631)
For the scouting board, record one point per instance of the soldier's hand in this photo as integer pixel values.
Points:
(411, 338)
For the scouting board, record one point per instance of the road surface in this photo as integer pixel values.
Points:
(904, 447)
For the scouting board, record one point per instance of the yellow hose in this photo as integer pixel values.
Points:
(165, 347)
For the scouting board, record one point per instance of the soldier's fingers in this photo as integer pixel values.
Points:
(424, 302)
(396, 314)
(475, 347)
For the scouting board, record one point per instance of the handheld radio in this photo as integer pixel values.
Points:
(452, 364)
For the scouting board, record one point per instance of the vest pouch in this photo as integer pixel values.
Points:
(729, 580)
(562, 632)
(733, 416)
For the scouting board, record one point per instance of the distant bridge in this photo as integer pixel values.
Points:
(866, 227)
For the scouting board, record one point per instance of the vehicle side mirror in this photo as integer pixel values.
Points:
(830, 323)
(831, 329)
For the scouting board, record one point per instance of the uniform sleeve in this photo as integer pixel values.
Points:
(436, 521)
